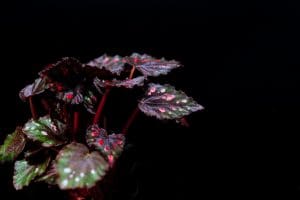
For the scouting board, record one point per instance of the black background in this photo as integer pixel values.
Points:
(241, 61)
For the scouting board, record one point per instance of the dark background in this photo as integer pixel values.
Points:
(241, 63)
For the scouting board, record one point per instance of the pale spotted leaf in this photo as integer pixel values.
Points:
(164, 102)
(13, 145)
(78, 168)
(127, 83)
(109, 145)
(113, 64)
(49, 132)
(25, 173)
(150, 66)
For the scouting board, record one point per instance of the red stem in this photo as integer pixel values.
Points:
(130, 120)
(184, 122)
(101, 106)
(32, 109)
(132, 72)
(75, 123)
(45, 105)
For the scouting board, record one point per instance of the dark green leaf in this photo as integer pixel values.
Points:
(78, 168)
(50, 177)
(45, 130)
(24, 172)
(13, 145)
(164, 102)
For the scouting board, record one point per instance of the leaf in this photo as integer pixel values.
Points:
(113, 64)
(164, 102)
(45, 130)
(109, 145)
(37, 87)
(150, 66)
(50, 177)
(24, 172)
(128, 83)
(90, 101)
(65, 73)
(13, 145)
(77, 168)
(73, 97)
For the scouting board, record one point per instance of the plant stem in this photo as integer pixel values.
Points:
(130, 120)
(32, 109)
(184, 122)
(101, 106)
(45, 105)
(75, 124)
(132, 72)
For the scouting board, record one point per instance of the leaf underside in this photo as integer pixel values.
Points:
(77, 168)
(13, 145)
(127, 83)
(37, 87)
(164, 102)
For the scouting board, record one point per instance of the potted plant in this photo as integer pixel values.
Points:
(67, 143)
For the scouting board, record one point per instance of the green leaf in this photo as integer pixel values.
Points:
(164, 102)
(25, 173)
(77, 168)
(50, 177)
(13, 145)
(45, 130)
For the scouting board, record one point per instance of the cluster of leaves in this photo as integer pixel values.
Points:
(45, 146)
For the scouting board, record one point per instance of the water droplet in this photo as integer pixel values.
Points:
(177, 102)
(82, 174)
(71, 175)
(67, 170)
(36, 170)
(93, 171)
(77, 179)
(184, 100)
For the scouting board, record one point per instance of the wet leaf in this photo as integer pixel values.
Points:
(49, 132)
(164, 102)
(150, 66)
(38, 87)
(109, 145)
(24, 172)
(13, 145)
(78, 168)
(113, 64)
